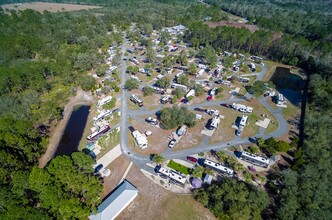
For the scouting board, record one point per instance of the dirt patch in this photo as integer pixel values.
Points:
(118, 168)
(154, 202)
(46, 6)
(193, 137)
(252, 28)
(157, 142)
(151, 102)
(224, 132)
(56, 131)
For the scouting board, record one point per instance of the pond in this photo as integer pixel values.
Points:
(73, 132)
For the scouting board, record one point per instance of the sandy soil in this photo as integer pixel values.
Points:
(81, 98)
(250, 27)
(156, 144)
(51, 7)
(154, 202)
(118, 168)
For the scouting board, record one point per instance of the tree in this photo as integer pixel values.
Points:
(87, 82)
(179, 93)
(111, 104)
(197, 172)
(182, 58)
(198, 90)
(257, 89)
(233, 200)
(131, 84)
(183, 79)
(151, 54)
(192, 69)
(158, 159)
(83, 162)
(175, 116)
(163, 82)
(209, 55)
(147, 91)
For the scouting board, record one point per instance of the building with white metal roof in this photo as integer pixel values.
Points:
(114, 204)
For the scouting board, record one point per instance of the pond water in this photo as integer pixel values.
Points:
(73, 132)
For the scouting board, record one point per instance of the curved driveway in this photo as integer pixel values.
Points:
(141, 160)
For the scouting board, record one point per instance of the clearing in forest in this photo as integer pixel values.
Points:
(51, 7)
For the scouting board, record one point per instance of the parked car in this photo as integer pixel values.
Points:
(192, 159)
(253, 139)
(219, 81)
(199, 109)
(172, 143)
(131, 128)
(238, 132)
(209, 98)
(151, 120)
(98, 168)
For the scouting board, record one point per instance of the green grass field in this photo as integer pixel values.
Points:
(179, 167)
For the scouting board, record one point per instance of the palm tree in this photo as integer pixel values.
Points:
(158, 159)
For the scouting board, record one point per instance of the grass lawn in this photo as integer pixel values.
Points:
(183, 207)
(131, 105)
(291, 111)
(178, 167)
(108, 142)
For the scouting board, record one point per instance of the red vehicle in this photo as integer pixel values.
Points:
(209, 98)
(192, 159)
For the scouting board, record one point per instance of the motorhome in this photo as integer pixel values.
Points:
(99, 132)
(255, 159)
(135, 99)
(218, 167)
(173, 175)
(176, 85)
(242, 108)
(140, 139)
(102, 115)
(214, 123)
(104, 101)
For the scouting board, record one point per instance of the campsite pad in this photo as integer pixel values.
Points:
(263, 123)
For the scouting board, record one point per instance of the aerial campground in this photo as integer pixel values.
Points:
(165, 109)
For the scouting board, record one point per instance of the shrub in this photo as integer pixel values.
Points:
(147, 90)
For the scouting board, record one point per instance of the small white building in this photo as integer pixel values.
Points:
(140, 139)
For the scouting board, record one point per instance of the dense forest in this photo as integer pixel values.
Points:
(44, 55)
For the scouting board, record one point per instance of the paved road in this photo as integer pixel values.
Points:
(141, 160)
(110, 156)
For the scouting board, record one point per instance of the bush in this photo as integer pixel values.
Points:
(163, 82)
(198, 90)
(110, 104)
(87, 82)
(116, 89)
(179, 93)
(131, 84)
(175, 116)
(147, 90)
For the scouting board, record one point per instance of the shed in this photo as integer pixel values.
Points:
(90, 146)
(208, 179)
